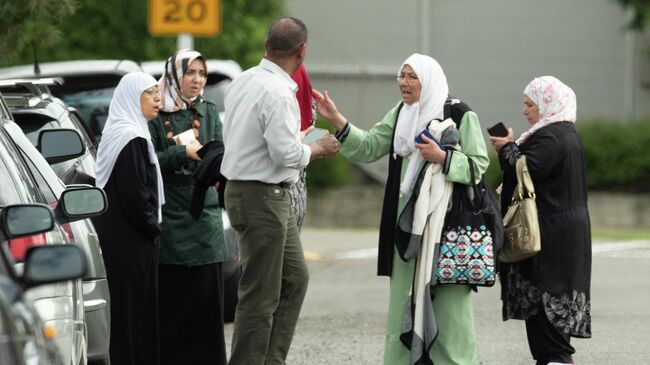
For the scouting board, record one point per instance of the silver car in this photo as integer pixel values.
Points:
(35, 110)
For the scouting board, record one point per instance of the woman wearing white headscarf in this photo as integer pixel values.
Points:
(192, 250)
(449, 338)
(550, 290)
(129, 232)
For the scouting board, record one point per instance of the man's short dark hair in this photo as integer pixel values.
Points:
(285, 36)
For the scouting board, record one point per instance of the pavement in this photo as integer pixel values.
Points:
(344, 314)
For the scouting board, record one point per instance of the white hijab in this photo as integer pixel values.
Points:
(555, 100)
(414, 118)
(126, 122)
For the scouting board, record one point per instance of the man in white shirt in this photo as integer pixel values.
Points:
(263, 156)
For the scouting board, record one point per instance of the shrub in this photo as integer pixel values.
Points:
(617, 154)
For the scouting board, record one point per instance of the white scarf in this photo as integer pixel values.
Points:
(414, 118)
(126, 122)
(427, 223)
(555, 100)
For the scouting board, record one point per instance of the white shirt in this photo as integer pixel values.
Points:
(261, 128)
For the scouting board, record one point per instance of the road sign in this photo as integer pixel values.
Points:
(197, 17)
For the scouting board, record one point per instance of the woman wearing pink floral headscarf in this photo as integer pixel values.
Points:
(550, 291)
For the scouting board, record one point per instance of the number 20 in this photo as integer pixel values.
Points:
(194, 10)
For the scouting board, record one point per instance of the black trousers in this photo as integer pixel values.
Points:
(191, 315)
(546, 343)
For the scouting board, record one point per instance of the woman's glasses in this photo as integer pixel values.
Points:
(152, 91)
(409, 79)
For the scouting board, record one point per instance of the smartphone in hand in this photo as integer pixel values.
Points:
(498, 130)
(418, 138)
(317, 133)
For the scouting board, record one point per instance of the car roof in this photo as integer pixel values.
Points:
(229, 68)
(64, 68)
(78, 75)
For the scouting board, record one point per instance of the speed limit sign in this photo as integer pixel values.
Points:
(197, 17)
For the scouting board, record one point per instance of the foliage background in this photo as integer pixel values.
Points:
(116, 29)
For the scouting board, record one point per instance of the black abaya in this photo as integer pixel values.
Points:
(129, 237)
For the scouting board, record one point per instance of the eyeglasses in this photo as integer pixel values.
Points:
(152, 91)
(408, 78)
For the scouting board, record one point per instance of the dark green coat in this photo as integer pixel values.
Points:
(186, 241)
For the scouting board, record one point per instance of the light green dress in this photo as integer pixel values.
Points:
(452, 304)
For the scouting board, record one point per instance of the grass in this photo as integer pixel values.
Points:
(623, 235)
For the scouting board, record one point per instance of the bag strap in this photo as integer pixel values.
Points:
(525, 187)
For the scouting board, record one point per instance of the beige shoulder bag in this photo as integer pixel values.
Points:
(521, 226)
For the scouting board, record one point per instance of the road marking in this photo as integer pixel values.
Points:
(625, 249)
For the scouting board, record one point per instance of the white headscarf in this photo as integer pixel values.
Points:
(414, 118)
(170, 82)
(555, 100)
(126, 122)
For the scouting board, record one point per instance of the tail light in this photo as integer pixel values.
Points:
(19, 246)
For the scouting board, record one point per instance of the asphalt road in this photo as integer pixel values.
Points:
(343, 318)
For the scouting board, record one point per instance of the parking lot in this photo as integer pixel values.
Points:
(342, 320)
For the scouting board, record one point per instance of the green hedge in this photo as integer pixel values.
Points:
(617, 154)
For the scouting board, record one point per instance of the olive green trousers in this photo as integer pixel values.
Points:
(274, 273)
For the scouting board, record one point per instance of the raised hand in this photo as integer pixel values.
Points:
(327, 109)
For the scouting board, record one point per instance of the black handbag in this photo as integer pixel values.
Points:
(472, 236)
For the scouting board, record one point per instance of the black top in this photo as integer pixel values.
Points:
(132, 195)
(557, 279)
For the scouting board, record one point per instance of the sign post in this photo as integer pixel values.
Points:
(195, 17)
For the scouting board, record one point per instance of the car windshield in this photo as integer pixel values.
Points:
(91, 104)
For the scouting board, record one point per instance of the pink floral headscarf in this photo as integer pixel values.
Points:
(555, 100)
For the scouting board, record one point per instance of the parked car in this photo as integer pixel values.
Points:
(35, 110)
(27, 177)
(88, 85)
(220, 74)
(24, 338)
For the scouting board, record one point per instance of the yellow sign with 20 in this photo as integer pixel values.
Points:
(197, 17)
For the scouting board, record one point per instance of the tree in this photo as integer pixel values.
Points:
(30, 22)
(117, 29)
(640, 13)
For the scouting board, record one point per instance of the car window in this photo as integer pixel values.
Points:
(32, 124)
(215, 93)
(16, 182)
(80, 127)
(91, 104)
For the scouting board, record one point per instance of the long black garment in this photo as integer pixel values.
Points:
(129, 237)
(196, 336)
(556, 281)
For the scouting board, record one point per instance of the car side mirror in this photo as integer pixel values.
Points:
(21, 220)
(81, 202)
(58, 145)
(52, 264)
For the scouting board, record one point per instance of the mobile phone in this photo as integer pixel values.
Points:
(498, 130)
(317, 133)
(418, 138)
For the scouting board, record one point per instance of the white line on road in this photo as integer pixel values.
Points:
(629, 249)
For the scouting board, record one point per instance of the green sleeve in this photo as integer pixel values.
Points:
(369, 146)
(170, 156)
(472, 146)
